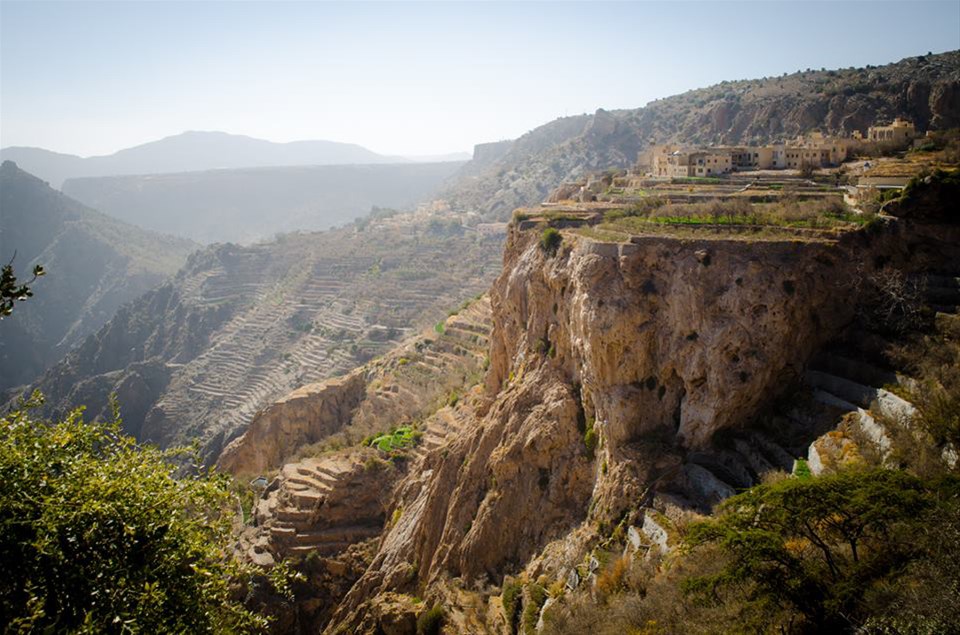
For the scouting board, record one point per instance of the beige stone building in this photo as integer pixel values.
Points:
(813, 149)
(900, 131)
(710, 162)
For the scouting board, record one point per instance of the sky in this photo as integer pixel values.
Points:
(402, 78)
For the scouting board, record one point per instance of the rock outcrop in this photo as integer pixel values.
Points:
(307, 415)
(613, 367)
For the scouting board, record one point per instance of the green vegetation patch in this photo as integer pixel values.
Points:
(99, 534)
(590, 442)
(401, 438)
(821, 213)
(431, 621)
(550, 240)
(512, 599)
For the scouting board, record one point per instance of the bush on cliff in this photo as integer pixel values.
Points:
(550, 239)
(99, 534)
(860, 551)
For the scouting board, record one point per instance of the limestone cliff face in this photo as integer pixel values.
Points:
(305, 416)
(684, 336)
(654, 341)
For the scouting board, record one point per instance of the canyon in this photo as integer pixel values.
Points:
(636, 379)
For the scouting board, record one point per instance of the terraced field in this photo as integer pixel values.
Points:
(242, 326)
(323, 504)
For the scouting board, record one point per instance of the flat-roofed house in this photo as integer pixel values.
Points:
(900, 131)
(711, 162)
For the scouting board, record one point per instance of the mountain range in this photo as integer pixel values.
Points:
(501, 176)
(198, 150)
(248, 204)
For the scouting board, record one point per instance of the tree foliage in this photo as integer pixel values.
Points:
(99, 534)
(820, 547)
(11, 292)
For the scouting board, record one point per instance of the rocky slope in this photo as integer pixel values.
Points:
(633, 379)
(923, 89)
(239, 327)
(654, 344)
(95, 265)
(327, 504)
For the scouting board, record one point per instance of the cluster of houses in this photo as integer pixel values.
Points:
(813, 150)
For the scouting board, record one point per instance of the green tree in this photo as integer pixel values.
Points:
(99, 534)
(819, 547)
(11, 292)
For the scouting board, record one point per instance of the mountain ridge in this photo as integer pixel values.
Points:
(507, 175)
(190, 151)
(95, 264)
(254, 203)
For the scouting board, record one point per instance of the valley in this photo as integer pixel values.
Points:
(239, 327)
(251, 204)
(692, 367)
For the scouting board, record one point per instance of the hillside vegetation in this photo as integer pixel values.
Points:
(95, 264)
(924, 89)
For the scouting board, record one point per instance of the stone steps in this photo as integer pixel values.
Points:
(862, 372)
(336, 535)
(845, 393)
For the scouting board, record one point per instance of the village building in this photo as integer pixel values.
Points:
(900, 131)
(813, 150)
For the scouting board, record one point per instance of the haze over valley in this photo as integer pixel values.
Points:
(530, 318)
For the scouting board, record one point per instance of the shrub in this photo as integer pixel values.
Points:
(819, 546)
(431, 621)
(541, 346)
(550, 239)
(511, 597)
(536, 596)
(590, 442)
(100, 534)
(398, 439)
(612, 579)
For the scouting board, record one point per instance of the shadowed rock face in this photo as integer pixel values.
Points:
(657, 338)
(95, 264)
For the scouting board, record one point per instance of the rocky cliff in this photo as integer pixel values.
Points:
(924, 89)
(635, 378)
(613, 365)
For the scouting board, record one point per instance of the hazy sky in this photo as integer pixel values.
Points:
(94, 77)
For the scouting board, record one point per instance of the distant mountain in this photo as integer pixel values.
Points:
(505, 175)
(189, 152)
(95, 264)
(244, 205)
